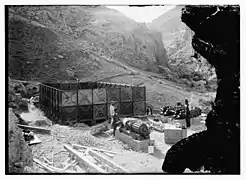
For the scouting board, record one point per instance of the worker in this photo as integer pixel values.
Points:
(111, 111)
(187, 113)
(151, 111)
(116, 121)
(147, 111)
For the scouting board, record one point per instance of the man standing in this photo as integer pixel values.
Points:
(151, 110)
(111, 111)
(187, 113)
(147, 111)
(116, 121)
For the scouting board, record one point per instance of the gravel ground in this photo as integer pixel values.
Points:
(134, 161)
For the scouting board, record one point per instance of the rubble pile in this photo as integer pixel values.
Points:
(52, 149)
(80, 159)
(78, 135)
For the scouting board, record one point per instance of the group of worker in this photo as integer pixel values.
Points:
(115, 120)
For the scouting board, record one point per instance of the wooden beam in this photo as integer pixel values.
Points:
(108, 162)
(109, 155)
(65, 162)
(78, 169)
(47, 160)
(87, 162)
(33, 128)
(47, 168)
(68, 165)
(80, 146)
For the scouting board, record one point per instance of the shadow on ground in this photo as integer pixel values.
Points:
(158, 154)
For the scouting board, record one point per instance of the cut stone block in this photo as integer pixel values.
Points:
(134, 144)
(173, 135)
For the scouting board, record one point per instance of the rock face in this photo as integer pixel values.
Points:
(20, 154)
(183, 61)
(218, 148)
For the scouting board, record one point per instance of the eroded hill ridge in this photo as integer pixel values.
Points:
(45, 42)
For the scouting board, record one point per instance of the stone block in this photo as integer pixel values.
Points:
(173, 135)
(134, 144)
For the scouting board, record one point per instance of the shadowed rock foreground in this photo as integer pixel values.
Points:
(20, 154)
(218, 148)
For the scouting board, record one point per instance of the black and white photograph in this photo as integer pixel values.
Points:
(122, 89)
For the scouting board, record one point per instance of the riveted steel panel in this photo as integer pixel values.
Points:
(113, 94)
(90, 100)
(99, 96)
(69, 98)
(138, 93)
(126, 108)
(139, 108)
(84, 96)
(100, 111)
(69, 113)
(41, 95)
(68, 86)
(87, 85)
(126, 94)
(85, 112)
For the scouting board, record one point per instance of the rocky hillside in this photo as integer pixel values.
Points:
(169, 23)
(182, 60)
(51, 42)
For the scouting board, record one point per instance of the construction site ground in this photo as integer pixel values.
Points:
(52, 146)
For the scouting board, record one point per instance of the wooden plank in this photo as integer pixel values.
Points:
(52, 156)
(107, 161)
(44, 166)
(68, 165)
(64, 170)
(48, 140)
(47, 160)
(109, 155)
(80, 146)
(78, 169)
(87, 162)
(60, 152)
(65, 162)
(33, 128)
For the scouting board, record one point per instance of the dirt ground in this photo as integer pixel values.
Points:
(52, 145)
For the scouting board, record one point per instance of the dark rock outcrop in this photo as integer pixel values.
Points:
(20, 154)
(218, 148)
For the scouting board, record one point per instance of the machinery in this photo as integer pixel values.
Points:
(178, 112)
(170, 111)
(137, 129)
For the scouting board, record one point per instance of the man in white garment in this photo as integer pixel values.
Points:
(111, 112)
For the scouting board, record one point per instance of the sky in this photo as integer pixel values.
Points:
(142, 14)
